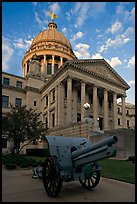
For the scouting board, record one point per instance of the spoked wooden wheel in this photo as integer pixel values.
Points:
(51, 178)
(91, 182)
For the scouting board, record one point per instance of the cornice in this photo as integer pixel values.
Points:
(13, 88)
(29, 88)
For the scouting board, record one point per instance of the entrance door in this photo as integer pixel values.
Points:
(101, 123)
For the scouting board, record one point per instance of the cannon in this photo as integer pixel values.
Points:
(74, 159)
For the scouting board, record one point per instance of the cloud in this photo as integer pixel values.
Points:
(119, 40)
(115, 27)
(22, 44)
(55, 8)
(7, 54)
(124, 14)
(77, 36)
(34, 4)
(64, 30)
(114, 62)
(96, 56)
(131, 92)
(132, 82)
(84, 10)
(40, 19)
(82, 51)
(131, 62)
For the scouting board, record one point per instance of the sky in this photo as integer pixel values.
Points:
(96, 30)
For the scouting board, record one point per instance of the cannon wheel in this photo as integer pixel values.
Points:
(51, 177)
(91, 182)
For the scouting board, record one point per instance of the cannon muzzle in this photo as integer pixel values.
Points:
(101, 150)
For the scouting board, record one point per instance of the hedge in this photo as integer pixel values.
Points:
(38, 152)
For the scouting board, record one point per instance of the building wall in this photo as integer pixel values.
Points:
(130, 115)
(126, 141)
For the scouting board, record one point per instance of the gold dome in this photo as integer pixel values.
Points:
(51, 35)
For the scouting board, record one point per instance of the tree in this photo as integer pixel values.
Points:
(22, 125)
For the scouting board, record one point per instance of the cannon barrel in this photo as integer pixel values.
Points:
(107, 141)
(95, 152)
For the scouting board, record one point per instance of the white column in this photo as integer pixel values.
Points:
(95, 109)
(44, 58)
(60, 104)
(45, 66)
(49, 117)
(74, 106)
(123, 112)
(52, 64)
(56, 106)
(61, 61)
(69, 100)
(105, 109)
(82, 100)
(115, 115)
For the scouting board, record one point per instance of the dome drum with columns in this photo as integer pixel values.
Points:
(52, 49)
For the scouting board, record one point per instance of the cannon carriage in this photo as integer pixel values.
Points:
(74, 159)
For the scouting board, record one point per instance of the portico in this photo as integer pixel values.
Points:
(75, 89)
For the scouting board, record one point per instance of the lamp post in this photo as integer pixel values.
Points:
(88, 119)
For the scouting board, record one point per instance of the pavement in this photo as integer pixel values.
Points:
(19, 186)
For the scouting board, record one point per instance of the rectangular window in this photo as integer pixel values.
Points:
(109, 104)
(118, 110)
(79, 95)
(19, 84)
(127, 112)
(46, 100)
(46, 122)
(90, 99)
(18, 102)
(53, 95)
(27, 67)
(34, 142)
(78, 117)
(100, 101)
(118, 121)
(127, 123)
(55, 68)
(53, 120)
(49, 68)
(6, 81)
(35, 103)
(5, 101)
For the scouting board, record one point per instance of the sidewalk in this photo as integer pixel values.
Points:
(19, 186)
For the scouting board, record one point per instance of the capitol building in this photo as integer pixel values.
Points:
(58, 84)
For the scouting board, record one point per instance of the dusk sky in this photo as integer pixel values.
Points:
(95, 30)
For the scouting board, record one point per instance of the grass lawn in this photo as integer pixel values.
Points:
(118, 169)
(121, 170)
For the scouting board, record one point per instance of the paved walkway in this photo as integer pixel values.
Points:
(19, 186)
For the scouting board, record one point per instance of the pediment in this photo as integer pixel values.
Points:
(100, 68)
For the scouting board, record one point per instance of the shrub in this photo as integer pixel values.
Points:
(10, 166)
(11, 161)
(131, 158)
(38, 152)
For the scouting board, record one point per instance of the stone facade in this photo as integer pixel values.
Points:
(57, 84)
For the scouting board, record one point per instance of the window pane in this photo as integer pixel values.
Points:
(55, 68)
(49, 68)
(18, 102)
(6, 81)
(5, 101)
(19, 84)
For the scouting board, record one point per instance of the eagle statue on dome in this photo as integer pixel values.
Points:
(53, 15)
